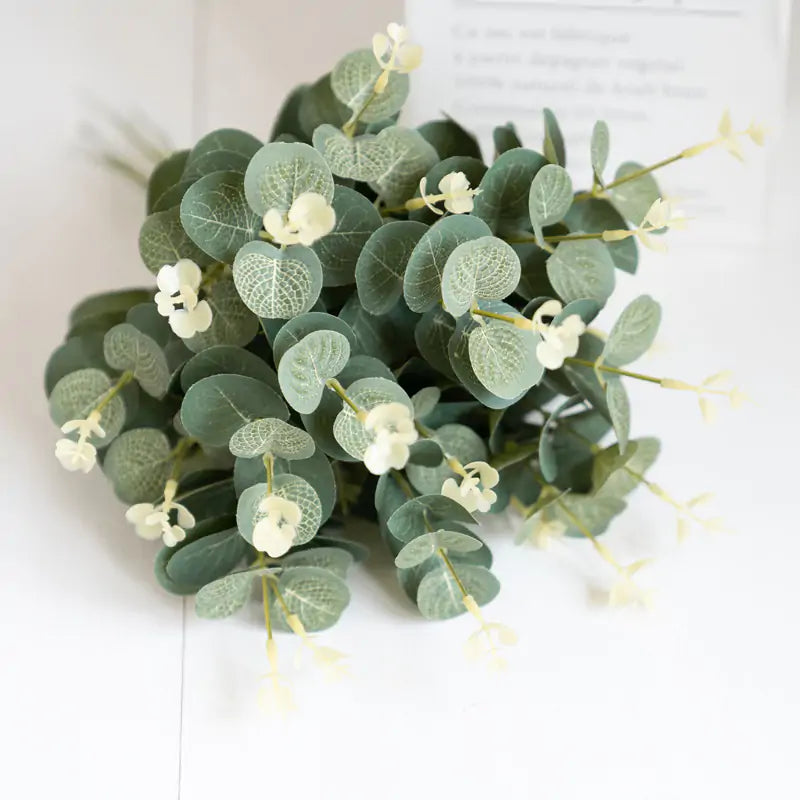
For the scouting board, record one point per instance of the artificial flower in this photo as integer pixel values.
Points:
(276, 695)
(81, 454)
(309, 218)
(625, 591)
(559, 340)
(176, 299)
(393, 429)
(276, 532)
(153, 521)
(475, 490)
(486, 641)
(544, 531)
(454, 189)
(394, 53)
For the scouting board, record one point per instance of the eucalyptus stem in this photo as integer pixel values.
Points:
(404, 484)
(614, 370)
(601, 549)
(281, 602)
(265, 597)
(632, 176)
(492, 315)
(269, 465)
(350, 126)
(452, 570)
(337, 387)
(178, 453)
(123, 381)
(566, 237)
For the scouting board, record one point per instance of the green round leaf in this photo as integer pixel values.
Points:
(280, 172)
(316, 595)
(595, 215)
(439, 597)
(318, 105)
(504, 138)
(76, 395)
(128, 349)
(485, 268)
(405, 158)
(553, 147)
(387, 337)
(610, 478)
(225, 359)
(271, 436)
(366, 393)
(138, 465)
(76, 353)
(164, 176)
(277, 283)
(382, 264)
(232, 322)
(582, 269)
(599, 148)
(162, 240)
(204, 560)
(333, 559)
(415, 516)
(594, 513)
(353, 80)
(216, 407)
(503, 358)
(449, 139)
(550, 197)
(307, 365)
(289, 487)
(425, 400)
(224, 149)
(635, 197)
(426, 545)
(422, 282)
(224, 597)
(145, 318)
(392, 161)
(215, 214)
(432, 336)
(505, 190)
(461, 364)
(108, 304)
(619, 407)
(356, 220)
(633, 332)
(293, 330)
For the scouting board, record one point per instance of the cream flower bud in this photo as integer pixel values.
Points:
(394, 53)
(176, 299)
(276, 532)
(393, 428)
(309, 218)
(474, 492)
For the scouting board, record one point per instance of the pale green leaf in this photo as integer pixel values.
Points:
(599, 148)
(353, 80)
(277, 283)
(619, 407)
(382, 263)
(215, 214)
(162, 240)
(633, 332)
(582, 269)
(439, 596)
(138, 465)
(503, 357)
(271, 436)
(422, 282)
(216, 407)
(224, 597)
(126, 348)
(76, 395)
(280, 172)
(485, 268)
(316, 595)
(232, 322)
(306, 366)
(426, 545)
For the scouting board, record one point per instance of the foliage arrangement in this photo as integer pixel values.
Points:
(363, 320)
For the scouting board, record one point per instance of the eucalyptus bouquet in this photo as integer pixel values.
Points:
(364, 320)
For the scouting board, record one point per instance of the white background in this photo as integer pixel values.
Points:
(111, 689)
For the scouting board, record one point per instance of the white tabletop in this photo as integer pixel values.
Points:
(111, 689)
